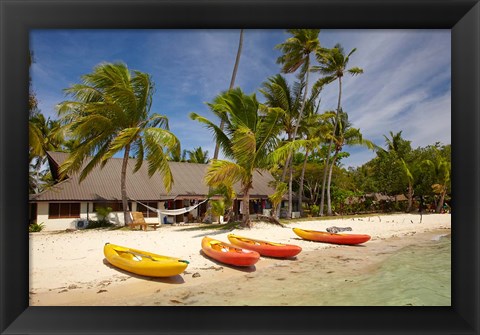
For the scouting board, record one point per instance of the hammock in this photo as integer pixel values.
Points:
(172, 211)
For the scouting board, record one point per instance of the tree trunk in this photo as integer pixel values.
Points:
(440, 202)
(329, 199)
(123, 183)
(246, 223)
(208, 217)
(322, 201)
(294, 137)
(232, 84)
(284, 175)
(410, 197)
(290, 191)
(300, 190)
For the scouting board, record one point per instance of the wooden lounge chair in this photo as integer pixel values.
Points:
(139, 220)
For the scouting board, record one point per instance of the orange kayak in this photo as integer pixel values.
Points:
(228, 253)
(265, 248)
(321, 236)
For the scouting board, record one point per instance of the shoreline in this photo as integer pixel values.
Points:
(70, 269)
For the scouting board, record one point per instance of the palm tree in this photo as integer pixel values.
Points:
(250, 134)
(44, 135)
(410, 179)
(208, 218)
(296, 52)
(399, 149)
(198, 155)
(441, 169)
(110, 112)
(333, 66)
(313, 127)
(232, 84)
(279, 94)
(178, 156)
(344, 135)
(227, 193)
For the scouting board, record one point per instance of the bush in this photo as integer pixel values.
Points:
(103, 213)
(99, 224)
(315, 210)
(35, 227)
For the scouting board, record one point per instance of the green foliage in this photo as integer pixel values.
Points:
(249, 135)
(198, 155)
(92, 224)
(280, 190)
(36, 227)
(217, 207)
(103, 213)
(315, 210)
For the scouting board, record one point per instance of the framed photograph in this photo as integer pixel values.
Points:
(27, 23)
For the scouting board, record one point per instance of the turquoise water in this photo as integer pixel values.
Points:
(418, 275)
(374, 275)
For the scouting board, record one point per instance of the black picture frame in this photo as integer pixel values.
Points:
(17, 17)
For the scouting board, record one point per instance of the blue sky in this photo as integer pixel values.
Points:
(406, 83)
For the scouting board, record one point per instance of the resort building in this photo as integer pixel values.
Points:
(70, 203)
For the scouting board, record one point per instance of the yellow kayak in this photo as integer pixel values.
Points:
(142, 262)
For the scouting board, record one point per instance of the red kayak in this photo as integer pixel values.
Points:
(321, 236)
(229, 254)
(265, 248)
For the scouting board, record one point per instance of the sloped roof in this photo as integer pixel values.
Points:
(104, 183)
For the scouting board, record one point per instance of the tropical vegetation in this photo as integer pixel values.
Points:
(249, 135)
(110, 113)
(303, 147)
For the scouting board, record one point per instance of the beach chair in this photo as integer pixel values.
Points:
(139, 220)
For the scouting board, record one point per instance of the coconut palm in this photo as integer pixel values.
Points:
(208, 218)
(232, 84)
(296, 52)
(314, 127)
(198, 155)
(177, 156)
(44, 135)
(333, 66)
(410, 180)
(227, 193)
(278, 93)
(344, 135)
(110, 113)
(440, 167)
(250, 134)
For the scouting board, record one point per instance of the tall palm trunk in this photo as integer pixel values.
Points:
(441, 201)
(246, 206)
(302, 177)
(329, 199)
(123, 183)
(294, 136)
(208, 217)
(410, 197)
(327, 161)
(284, 175)
(232, 83)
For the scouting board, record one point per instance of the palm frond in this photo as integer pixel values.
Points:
(220, 136)
(220, 172)
(124, 137)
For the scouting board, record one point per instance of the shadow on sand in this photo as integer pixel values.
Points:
(178, 279)
(246, 269)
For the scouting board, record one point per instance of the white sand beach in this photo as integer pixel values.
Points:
(69, 268)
